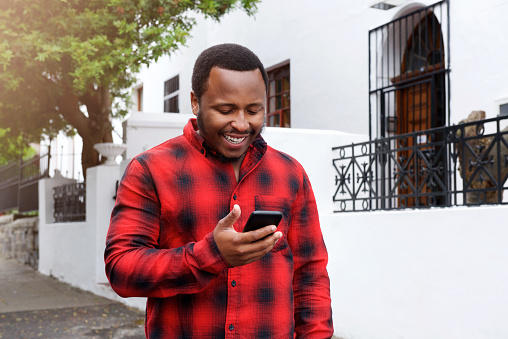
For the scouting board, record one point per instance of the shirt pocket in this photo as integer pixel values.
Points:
(276, 203)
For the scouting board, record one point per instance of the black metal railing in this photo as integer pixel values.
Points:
(465, 164)
(19, 183)
(70, 202)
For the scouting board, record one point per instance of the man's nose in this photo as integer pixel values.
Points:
(240, 122)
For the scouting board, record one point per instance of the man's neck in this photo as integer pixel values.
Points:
(236, 167)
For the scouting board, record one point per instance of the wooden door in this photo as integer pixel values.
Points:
(418, 109)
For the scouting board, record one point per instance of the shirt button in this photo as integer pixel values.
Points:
(231, 327)
(202, 151)
(234, 196)
(233, 283)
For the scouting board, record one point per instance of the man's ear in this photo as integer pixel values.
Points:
(194, 103)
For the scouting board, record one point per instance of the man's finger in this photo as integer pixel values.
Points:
(231, 218)
(261, 233)
(261, 247)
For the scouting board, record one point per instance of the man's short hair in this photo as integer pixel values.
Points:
(232, 57)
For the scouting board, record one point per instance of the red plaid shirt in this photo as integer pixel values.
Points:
(160, 244)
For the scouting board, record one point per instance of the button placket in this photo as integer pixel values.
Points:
(234, 301)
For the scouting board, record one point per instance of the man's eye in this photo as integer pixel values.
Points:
(254, 111)
(224, 111)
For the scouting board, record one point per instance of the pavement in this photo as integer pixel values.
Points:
(33, 305)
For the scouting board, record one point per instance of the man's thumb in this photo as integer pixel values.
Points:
(231, 218)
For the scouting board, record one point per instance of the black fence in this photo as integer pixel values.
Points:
(19, 183)
(70, 202)
(466, 164)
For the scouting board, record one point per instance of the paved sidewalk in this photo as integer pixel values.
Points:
(35, 306)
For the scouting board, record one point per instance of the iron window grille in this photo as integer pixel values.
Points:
(409, 84)
(70, 202)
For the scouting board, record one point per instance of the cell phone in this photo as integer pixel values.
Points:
(260, 219)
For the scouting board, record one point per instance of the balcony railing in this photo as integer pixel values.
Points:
(465, 164)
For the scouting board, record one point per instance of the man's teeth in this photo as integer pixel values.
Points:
(234, 140)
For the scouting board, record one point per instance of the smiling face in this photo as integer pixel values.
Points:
(231, 112)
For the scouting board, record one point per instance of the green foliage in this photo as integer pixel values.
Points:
(59, 57)
(12, 147)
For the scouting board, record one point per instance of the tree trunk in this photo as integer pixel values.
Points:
(89, 156)
(98, 129)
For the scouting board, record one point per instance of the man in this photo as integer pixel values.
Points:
(176, 229)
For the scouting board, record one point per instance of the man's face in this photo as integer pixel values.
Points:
(231, 113)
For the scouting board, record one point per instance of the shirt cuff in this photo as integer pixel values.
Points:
(208, 255)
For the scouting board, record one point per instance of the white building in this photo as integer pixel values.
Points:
(351, 73)
(326, 45)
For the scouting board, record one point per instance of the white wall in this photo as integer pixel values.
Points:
(479, 45)
(73, 252)
(437, 273)
(146, 130)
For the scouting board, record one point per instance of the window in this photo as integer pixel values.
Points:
(503, 109)
(278, 114)
(139, 94)
(171, 90)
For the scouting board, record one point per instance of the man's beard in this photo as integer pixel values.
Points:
(222, 157)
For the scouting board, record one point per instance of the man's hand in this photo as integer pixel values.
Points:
(243, 248)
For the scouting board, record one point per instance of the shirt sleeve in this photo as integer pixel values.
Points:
(311, 284)
(135, 266)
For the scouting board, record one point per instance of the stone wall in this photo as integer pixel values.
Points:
(19, 239)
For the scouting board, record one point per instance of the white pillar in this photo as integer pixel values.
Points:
(100, 190)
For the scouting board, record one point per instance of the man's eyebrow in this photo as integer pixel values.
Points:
(256, 106)
(222, 104)
(260, 104)
(229, 104)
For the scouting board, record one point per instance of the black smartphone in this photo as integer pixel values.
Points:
(259, 219)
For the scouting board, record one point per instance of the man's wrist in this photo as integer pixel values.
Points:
(209, 256)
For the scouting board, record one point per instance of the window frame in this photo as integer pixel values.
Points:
(171, 94)
(279, 72)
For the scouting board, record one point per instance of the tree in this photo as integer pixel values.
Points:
(12, 148)
(67, 65)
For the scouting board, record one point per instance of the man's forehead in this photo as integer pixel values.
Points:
(229, 72)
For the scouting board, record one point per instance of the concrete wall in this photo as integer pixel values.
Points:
(146, 130)
(19, 239)
(73, 252)
(437, 273)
